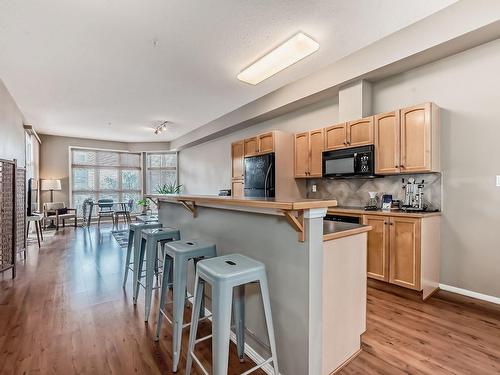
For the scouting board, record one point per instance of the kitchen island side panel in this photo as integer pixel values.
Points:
(269, 239)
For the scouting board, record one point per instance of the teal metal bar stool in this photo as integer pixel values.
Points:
(150, 238)
(133, 245)
(177, 256)
(224, 274)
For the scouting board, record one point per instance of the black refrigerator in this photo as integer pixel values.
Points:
(260, 176)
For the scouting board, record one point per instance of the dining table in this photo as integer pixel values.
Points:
(121, 205)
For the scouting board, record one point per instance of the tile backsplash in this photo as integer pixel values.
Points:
(354, 192)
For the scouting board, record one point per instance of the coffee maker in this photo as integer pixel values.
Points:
(414, 195)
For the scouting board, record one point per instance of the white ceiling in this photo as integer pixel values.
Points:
(90, 68)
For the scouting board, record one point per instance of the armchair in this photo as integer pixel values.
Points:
(58, 211)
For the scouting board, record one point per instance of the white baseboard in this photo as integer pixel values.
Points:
(470, 293)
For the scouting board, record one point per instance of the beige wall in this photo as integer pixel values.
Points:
(465, 86)
(54, 158)
(11, 128)
(206, 168)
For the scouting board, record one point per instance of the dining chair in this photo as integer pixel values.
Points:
(105, 209)
(125, 210)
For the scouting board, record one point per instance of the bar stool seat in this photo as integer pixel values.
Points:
(133, 245)
(150, 238)
(228, 274)
(177, 256)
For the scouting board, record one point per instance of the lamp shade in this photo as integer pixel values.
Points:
(50, 185)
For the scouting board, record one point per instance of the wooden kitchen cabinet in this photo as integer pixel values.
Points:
(266, 143)
(308, 154)
(301, 154)
(378, 247)
(251, 146)
(387, 143)
(336, 137)
(316, 153)
(237, 188)
(360, 132)
(237, 160)
(405, 252)
(261, 144)
(420, 138)
(350, 134)
(407, 140)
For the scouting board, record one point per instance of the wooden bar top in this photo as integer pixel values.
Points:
(272, 203)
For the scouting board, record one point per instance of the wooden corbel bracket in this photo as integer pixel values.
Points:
(157, 203)
(190, 206)
(296, 222)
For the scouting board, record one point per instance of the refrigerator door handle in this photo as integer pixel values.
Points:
(265, 181)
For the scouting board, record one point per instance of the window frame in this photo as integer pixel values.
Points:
(120, 168)
(147, 168)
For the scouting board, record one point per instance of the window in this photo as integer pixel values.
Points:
(161, 169)
(99, 174)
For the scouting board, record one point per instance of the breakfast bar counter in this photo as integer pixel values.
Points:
(317, 284)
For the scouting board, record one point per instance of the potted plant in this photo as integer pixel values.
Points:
(169, 188)
(145, 206)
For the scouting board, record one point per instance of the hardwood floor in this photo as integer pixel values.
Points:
(448, 334)
(66, 313)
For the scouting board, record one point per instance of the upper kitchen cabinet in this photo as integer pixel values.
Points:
(308, 154)
(407, 141)
(336, 137)
(251, 146)
(266, 143)
(420, 139)
(360, 132)
(261, 144)
(301, 163)
(237, 154)
(387, 143)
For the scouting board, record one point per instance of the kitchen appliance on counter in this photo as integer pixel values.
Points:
(372, 202)
(349, 162)
(414, 195)
(260, 176)
(225, 193)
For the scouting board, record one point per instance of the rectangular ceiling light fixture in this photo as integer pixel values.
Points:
(293, 50)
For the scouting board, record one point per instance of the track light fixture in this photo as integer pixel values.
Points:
(161, 127)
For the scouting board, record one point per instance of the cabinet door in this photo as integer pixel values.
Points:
(316, 153)
(404, 266)
(237, 154)
(387, 143)
(378, 247)
(251, 146)
(335, 137)
(416, 138)
(266, 143)
(237, 187)
(301, 155)
(360, 132)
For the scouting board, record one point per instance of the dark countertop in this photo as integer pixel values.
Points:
(337, 229)
(362, 211)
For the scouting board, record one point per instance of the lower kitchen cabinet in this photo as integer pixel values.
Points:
(237, 188)
(378, 247)
(404, 251)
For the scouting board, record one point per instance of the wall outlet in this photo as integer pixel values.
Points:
(498, 180)
(314, 188)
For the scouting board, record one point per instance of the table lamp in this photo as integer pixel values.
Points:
(51, 185)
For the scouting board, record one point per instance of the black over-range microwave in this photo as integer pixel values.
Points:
(349, 162)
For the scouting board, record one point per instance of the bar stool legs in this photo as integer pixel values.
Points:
(239, 319)
(228, 276)
(130, 246)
